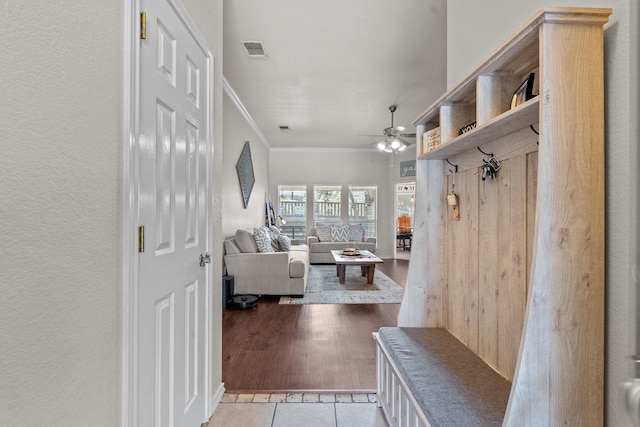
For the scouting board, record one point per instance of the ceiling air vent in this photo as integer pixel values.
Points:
(254, 49)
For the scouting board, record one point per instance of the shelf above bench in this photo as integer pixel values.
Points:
(507, 123)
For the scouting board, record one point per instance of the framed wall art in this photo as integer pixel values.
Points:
(244, 167)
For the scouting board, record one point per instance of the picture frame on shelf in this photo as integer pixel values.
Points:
(524, 91)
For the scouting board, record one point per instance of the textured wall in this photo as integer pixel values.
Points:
(477, 28)
(236, 132)
(59, 216)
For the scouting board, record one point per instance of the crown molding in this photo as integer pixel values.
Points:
(322, 150)
(240, 106)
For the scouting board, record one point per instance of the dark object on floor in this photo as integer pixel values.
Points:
(243, 301)
(227, 290)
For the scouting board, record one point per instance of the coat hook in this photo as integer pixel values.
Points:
(455, 166)
(486, 154)
(536, 132)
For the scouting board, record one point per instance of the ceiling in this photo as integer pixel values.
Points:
(333, 67)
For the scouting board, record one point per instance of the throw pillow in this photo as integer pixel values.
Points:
(263, 240)
(274, 232)
(231, 247)
(356, 232)
(284, 242)
(323, 233)
(339, 233)
(246, 242)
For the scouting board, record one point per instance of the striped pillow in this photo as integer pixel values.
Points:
(339, 233)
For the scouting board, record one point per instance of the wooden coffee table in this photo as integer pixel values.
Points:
(366, 260)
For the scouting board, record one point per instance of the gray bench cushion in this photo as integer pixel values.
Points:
(452, 385)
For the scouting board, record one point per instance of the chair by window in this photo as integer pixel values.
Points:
(404, 232)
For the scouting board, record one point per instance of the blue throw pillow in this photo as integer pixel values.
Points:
(284, 242)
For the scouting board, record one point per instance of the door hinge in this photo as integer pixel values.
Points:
(143, 25)
(141, 239)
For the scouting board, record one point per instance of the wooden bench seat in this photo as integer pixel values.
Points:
(427, 377)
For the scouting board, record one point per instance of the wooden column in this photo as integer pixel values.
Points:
(422, 304)
(559, 377)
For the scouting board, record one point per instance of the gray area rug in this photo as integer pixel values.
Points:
(323, 287)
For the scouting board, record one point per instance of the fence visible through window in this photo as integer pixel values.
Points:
(293, 211)
(327, 203)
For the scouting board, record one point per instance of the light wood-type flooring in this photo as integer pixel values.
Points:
(325, 347)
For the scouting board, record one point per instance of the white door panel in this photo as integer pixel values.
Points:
(174, 147)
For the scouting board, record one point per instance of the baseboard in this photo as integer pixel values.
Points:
(216, 398)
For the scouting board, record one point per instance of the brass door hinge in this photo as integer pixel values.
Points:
(143, 25)
(141, 239)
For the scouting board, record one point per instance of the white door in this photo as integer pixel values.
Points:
(174, 199)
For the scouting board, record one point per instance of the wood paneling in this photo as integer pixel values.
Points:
(487, 260)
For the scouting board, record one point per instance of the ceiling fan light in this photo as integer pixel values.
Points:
(388, 149)
(402, 147)
(395, 144)
(382, 145)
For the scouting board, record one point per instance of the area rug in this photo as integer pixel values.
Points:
(323, 287)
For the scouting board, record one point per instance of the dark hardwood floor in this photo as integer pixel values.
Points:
(324, 347)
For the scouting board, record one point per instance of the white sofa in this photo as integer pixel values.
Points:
(321, 241)
(271, 273)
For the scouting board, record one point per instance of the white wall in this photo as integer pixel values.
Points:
(236, 132)
(61, 142)
(477, 28)
(60, 216)
(343, 167)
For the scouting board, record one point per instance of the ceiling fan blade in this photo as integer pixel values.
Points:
(407, 135)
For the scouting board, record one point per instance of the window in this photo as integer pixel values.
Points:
(326, 203)
(293, 210)
(362, 207)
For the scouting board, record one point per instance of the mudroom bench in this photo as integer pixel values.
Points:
(511, 268)
(428, 378)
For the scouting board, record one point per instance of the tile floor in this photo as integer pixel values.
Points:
(298, 409)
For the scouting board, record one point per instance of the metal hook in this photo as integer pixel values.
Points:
(536, 132)
(455, 166)
(486, 154)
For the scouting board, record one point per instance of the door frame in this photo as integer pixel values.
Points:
(129, 218)
(394, 216)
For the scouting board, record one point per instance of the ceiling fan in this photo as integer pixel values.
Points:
(393, 136)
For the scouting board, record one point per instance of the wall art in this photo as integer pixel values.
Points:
(245, 173)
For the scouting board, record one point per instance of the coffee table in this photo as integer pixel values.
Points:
(366, 260)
